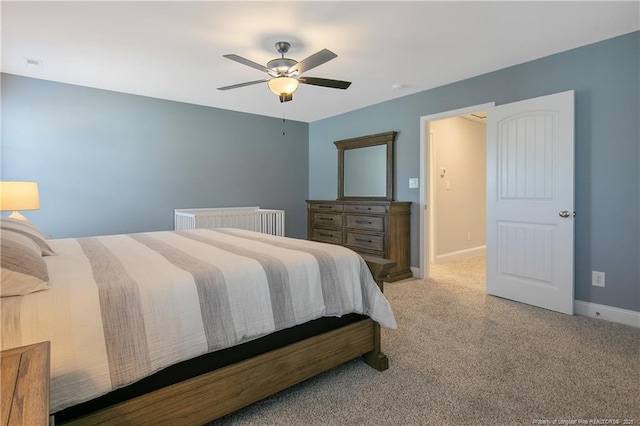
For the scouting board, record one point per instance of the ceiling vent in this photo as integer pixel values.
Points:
(480, 117)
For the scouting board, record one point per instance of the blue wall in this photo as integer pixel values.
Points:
(605, 77)
(109, 162)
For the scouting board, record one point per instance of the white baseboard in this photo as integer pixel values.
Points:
(608, 313)
(461, 254)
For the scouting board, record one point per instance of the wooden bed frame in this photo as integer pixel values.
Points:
(209, 396)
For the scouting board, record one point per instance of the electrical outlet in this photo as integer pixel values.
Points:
(413, 183)
(597, 278)
(469, 236)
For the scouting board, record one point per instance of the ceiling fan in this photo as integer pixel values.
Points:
(285, 73)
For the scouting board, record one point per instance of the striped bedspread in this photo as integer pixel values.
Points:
(122, 307)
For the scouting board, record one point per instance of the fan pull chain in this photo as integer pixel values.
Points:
(283, 125)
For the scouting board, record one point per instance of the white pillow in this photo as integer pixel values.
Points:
(28, 230)
(23, 268)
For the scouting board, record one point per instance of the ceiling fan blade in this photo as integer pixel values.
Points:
(325, 82)
(318, 58)
(248, 83)
(247, 62)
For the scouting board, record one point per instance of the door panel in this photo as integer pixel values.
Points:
(530, 161)
(526, 252)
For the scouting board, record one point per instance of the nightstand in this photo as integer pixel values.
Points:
(24, 385)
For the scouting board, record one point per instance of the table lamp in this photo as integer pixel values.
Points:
(19, 196)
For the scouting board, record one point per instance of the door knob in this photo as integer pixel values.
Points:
(566, 213)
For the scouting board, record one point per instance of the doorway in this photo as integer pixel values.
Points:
(530, 199)
(449, 173)
(458, 187)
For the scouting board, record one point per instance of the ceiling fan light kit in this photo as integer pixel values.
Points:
(283, 86)
(285, 73)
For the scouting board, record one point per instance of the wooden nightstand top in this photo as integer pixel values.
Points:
(24, 385)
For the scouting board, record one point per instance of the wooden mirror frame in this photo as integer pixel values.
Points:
(388, 139)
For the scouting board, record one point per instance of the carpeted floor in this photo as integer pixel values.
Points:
(460, 357)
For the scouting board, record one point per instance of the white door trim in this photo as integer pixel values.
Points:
(425, 172)
(433, 220)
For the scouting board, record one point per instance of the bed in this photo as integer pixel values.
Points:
(123, 310)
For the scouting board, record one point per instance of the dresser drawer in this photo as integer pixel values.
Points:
(328, 207)
(333, 220)
(365, 241)
(327, 236)
(355, 208)
(369, 223)
(366, 252)
(370, 227)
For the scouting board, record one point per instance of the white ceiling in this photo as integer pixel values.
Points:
(173, 50)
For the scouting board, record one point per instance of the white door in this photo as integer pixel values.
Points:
(530, 202)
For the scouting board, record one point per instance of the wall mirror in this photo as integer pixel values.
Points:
(365, 167)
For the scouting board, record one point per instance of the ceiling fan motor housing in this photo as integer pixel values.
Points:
(281, 65)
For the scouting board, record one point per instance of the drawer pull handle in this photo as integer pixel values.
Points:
(364, 221)
(326, 218)
(362, 240)
(326, 235)
(325, 207)
(363, 208)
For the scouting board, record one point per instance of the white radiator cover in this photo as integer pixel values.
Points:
(251, 218)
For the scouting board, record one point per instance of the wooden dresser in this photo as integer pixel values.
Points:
(377, 228)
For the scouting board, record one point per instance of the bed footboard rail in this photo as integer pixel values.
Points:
(212, 395)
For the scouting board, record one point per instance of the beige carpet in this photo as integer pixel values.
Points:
(460, 357)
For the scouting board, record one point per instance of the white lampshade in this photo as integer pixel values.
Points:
(283, 85)
(19, 196)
